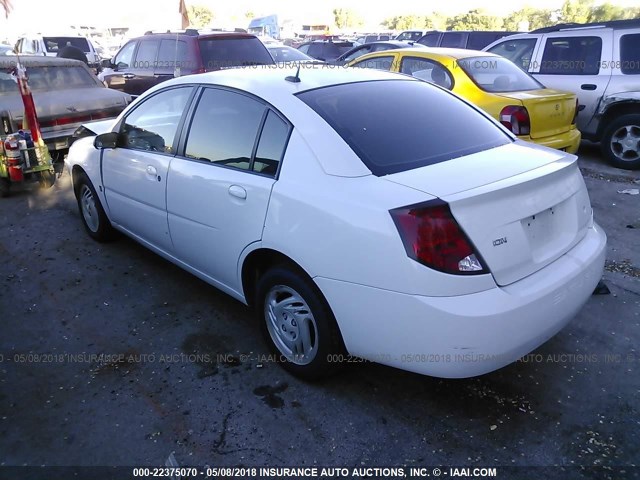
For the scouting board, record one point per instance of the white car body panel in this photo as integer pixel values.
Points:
(330, 215)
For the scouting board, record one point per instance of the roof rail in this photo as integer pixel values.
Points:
(631, 23)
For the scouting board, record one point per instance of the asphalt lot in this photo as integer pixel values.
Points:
(184, 370)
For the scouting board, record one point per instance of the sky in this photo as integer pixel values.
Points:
(52, 15)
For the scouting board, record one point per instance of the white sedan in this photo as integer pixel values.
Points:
(359, 212)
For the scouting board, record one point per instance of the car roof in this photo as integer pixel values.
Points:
(436, 52)
(267, 81)
(42, 61)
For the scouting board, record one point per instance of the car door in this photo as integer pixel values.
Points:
(134, 174)
(141, 77)
(571, 61)
(118, 78)
(219, 188)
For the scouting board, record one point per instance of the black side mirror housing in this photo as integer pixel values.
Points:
(107, 63)
(106, 140)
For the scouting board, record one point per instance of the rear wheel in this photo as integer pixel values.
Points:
(298, 324)
(94, 218)
(621, 142)
(46, 178)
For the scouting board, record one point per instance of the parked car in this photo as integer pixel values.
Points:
(473, 40)
(156, 57)
(410, 35)
(326, 50)
(514, 98)
(6, 50)
(601, 64)
(373, 38)
(284, 54)
(411, 230)
(66, 95)
(360, 50)
(49, 45)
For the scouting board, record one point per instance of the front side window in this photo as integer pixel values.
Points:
(224, 128)
(497, 75)
(519, 51)
(363, 50)
(124, 57)
(571, 56)
(377, 63)
(630, 54)
(428, 70)
(153, 124)
(430, 39)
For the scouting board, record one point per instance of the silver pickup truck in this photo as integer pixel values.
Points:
(600, 63)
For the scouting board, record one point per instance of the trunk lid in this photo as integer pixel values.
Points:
(524, 208)
(550, 111)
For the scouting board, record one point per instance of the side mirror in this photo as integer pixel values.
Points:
(106, 140)
(106, 63)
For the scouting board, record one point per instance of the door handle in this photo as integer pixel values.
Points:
(128, 75)
(588, 86)
(237, 191)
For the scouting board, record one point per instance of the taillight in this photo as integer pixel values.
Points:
(575, 114)
(516, 119)
(432, 237)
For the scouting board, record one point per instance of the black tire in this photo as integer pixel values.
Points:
(5, 186)
(283, 284)
(93, 217)
(46, 179)
(620, 142)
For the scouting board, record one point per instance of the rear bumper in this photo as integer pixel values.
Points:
(467, 335)
(568, 141)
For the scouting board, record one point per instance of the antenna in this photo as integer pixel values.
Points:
(295, 78)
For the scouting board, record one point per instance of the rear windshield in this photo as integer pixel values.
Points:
(498, 75)
(398, 125)
(220, 53)
(49, 78)
(53, 44)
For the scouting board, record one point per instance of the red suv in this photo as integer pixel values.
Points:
(155, 57)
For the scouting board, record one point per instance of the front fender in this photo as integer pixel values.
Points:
(615, 99)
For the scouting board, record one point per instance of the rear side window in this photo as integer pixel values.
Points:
(630, 54)
(571, 56)
(453, 39)
(428, 70)
(498, 75)
(273, 141)
(228, 52)
(172, 51)
(519, 51)
(398, 125)
(224, 128)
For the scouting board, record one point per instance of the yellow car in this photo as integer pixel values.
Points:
(514, 98)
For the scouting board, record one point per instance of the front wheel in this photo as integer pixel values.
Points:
(298, 324)
(94, 218)
(621, 142)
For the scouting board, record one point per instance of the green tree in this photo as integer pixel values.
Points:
(249, 15)
(407, 22)
(575, 11)
(474, 20)
(535, 17)
(199, 16)
(607, 11)
(346, 18)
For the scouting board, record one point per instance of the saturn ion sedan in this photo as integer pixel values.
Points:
(513, 97)
(358, 212)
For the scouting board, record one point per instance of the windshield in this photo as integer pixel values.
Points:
(53, 44)
(498, 75)
(398, 125)
(228, 52)
(288, 54)
(49, 78)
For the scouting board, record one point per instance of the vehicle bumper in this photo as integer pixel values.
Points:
(467, 335)
(568, 141)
